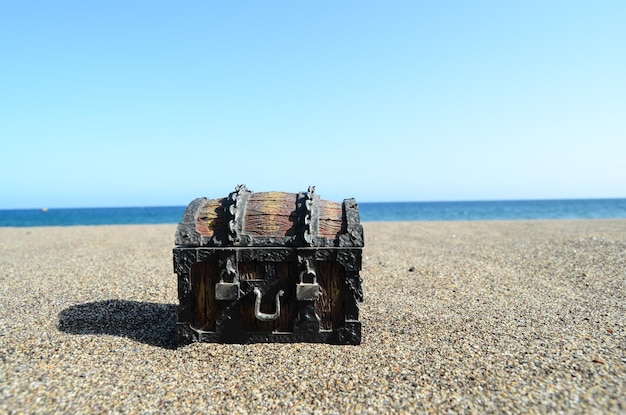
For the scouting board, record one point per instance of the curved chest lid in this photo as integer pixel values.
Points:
(270, 219)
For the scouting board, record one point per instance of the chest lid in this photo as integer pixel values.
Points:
(270, 219)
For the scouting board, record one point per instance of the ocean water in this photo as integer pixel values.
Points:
(495, 210)
(370, 212)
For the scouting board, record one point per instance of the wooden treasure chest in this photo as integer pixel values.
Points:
(269, 267)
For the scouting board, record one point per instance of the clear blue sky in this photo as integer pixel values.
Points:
(142, 103)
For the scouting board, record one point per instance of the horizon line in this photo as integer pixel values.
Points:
(46, 208)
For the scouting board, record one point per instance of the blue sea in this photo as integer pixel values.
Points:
(370, 212)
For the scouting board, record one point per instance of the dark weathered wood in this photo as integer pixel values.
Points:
(270, 214)
(331, 223)
(269, 242)
(204, 276)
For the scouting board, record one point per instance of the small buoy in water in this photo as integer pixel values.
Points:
(44, 209)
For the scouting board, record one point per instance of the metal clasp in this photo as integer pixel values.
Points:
(307, 291)
(257, 306)
(228, 290)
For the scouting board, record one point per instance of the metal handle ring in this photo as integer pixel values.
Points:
(257, 306)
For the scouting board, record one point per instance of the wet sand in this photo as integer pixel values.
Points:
(524, 316)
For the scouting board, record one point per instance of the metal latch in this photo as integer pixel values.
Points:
(307, 291)
(228, 290)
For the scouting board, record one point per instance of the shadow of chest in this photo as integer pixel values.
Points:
(269, 267)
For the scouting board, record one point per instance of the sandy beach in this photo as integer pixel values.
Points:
(476, 317)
